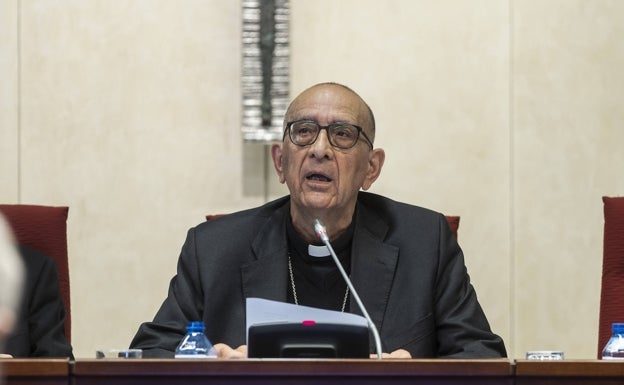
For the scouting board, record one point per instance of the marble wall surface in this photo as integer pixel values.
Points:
(507, 113)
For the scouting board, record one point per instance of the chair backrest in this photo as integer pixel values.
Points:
(44, 228)
(453, 221)
(612, 287)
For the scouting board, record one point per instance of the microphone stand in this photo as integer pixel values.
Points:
(321, 232)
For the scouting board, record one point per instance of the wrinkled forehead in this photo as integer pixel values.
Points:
(328, 104)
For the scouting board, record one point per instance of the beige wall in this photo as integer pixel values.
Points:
(507, 113)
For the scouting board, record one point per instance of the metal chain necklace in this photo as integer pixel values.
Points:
(294, 289)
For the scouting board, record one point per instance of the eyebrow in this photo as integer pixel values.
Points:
(316, 121)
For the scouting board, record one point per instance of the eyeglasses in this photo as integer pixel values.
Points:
(341, 135)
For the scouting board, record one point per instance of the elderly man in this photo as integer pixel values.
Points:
(402, 259)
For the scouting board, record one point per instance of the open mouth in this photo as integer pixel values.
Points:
(318, 177)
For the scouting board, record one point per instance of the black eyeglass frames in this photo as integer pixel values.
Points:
(341, 135)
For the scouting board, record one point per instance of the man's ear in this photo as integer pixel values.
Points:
(276, 154)
(375, 163)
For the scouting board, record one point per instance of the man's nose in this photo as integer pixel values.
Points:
(321, 146)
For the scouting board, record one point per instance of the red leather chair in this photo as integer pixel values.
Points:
(44, 228)
(453, 221)
(612, 288)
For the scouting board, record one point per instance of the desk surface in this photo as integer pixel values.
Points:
(344, 372)
(267, 371)
(570, 372)
(35, 371)
(259, 371)
(34, 367)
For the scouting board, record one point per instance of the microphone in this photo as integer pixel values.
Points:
(321, 233)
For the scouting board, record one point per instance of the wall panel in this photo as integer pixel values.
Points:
(9, 114)
(568, 90)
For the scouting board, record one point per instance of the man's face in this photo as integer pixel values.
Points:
(320, 176)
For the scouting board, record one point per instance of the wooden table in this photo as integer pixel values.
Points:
(35, 371)
(264, 371)
(572, 372)
(343, 372)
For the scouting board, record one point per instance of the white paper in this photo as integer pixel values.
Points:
(263, 311)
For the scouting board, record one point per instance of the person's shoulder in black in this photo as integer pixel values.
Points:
(40, 327)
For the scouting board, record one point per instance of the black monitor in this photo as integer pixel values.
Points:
(308, 340)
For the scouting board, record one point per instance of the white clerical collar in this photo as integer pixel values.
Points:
(318, 251)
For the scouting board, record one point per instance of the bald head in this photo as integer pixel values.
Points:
(342, 94)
